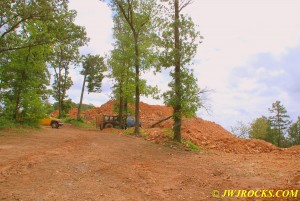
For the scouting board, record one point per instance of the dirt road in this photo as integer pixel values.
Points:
(79, 164)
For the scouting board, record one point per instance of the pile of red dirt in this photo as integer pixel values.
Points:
(206, 134)
(210, 135)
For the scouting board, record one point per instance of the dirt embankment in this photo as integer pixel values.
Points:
(206, 134)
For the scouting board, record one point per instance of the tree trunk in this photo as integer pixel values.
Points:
(59, 84)
(19, 90)
(121, 104)
(64, 88)
(17, 106)
(177, 107)
(137, 85)
(278, 128)
(81, 98)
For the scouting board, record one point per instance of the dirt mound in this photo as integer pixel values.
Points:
(150, 114)
(294, 150)
(210, 135)
(90, 115)
(206, 134)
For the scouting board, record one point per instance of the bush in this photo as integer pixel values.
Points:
(32, 124)
(78, 123)
(6, 123)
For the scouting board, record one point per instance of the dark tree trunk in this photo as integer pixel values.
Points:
(121, 104)
(59, 85)
(17, 106)
(126, 106)
(177, 107)
(279, 129)
(81, 97)
(137, 85)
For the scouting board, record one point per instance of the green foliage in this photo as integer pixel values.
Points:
(259, 128)
(130, 131)
(276, 129)
(189, 40)
(192, 146)
(279, 121)
(78, 123)
(168, 133)
(49, 107)
(189, 100)
(86, 106)
(178, 41)
(93, 69)
(70, 104)
(6, 123)
(32, 35)
(24, 80)
(294, 133)
(133, 51)
(18, 16)
(64, 53)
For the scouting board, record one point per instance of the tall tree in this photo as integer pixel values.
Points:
(24, 76)
(279, 120)
(93, 69)
(138, 14)
(260, 128)
(294, 133)
(179, 40)
(121, 63)
(29, 32)
(26, 24)
(24, 84)
(64, 53)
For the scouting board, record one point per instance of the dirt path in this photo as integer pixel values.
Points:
(77, 164)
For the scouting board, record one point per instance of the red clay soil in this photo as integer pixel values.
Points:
(88, 164)
(205, 134)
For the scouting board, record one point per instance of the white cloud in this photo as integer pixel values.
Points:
(234, 33)
(95, 16)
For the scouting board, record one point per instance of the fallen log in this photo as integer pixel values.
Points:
(160, 121)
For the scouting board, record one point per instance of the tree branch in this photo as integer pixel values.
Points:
(184, 4)
(125, 16)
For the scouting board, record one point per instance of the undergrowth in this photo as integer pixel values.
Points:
(130, 131)
(192, 146)
(78, 123)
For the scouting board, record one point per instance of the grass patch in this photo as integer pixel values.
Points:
(191, 146)
(168, 132)
(130, 131)
(78, 123)
(11, 127)
(19, 130)
(184, 145)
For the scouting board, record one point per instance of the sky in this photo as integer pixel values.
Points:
(249, 58)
